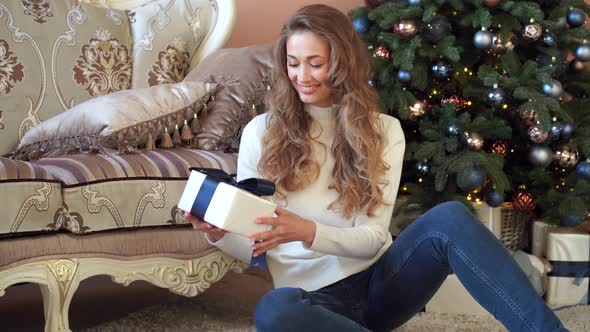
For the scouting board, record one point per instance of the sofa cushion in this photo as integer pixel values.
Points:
(30, 195)
(106, 192)
(178, 242)
(243, 77)
(54, 55)
(125, 116)
(166, 35)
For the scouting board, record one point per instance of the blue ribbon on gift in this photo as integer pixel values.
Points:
(578, 270)
(213, 177)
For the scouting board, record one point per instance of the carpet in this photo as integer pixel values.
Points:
(228, 306)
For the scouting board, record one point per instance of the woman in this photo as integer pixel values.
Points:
(336, 163)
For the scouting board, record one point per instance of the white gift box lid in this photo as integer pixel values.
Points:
(568, 244)
(231, 208)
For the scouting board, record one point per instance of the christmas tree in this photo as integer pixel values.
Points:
(494, 99)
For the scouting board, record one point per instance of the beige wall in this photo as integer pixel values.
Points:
(259, 21)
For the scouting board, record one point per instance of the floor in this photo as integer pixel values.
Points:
(21, 308)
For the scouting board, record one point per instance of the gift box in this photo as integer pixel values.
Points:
(509, 225)
(568, 252)
(539, 243)
(453, 298)
(217, 198)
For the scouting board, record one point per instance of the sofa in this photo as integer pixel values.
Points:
(104, 106)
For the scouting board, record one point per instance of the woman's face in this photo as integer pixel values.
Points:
(308, 63)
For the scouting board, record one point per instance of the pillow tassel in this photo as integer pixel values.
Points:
(195, 124)
(204, 111)
(166, 142)
(126, 148)
(211, 101)
(176, 139)
(186, 134)
(150, 145)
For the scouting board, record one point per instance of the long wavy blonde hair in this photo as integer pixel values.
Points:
(358, 144)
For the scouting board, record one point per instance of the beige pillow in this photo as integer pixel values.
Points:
(243, 76)
(125, 116)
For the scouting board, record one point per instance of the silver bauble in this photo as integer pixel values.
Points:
(483, 39)
(537, 135)
(553, 89)
(540, 155)
(532, 32)
(583, 52)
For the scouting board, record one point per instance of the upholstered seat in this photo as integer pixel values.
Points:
(30, 197)
(112, 191)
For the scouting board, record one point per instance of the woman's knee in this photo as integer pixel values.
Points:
(276, 307)
(452, 213)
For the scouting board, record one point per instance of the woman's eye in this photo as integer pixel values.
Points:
(292, 64)
(316, 66)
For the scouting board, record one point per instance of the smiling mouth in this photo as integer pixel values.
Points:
(307, 89)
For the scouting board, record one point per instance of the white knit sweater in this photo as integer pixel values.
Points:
(341, 246)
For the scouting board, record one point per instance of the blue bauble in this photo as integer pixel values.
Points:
(452, 130)
(495, 97)
(404, 76)
(567, 130)
(548, 40)
(583, 170)
(553, 89)
(474, 180)
(575, 17)
(414, 2)
(441, 70)
(583, 52)
(555, 131)
(361, 24)
(494, 198)
(422, 167)
(569, 220)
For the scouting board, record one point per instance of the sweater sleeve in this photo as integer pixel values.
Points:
(236, 245)
(368, 234)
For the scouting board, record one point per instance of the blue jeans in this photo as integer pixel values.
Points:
(447, 238)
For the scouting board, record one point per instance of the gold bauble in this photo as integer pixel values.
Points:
(405, 28)
(566, 157)
(501, 44)
(383, 52)
(417, 110)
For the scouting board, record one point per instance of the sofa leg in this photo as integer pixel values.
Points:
(62, 282)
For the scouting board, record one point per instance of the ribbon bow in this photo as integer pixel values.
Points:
(259, 187)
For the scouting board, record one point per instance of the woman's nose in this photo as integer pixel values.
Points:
(304, 74)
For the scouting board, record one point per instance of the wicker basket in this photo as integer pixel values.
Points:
(514, 232)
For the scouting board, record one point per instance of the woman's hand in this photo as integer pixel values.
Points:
(200, 225)
(286, 227)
